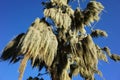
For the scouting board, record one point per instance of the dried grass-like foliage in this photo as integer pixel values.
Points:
(58, 2)
(115, 57)
(62, 20)
(90, 58)
(97, 33)
(79, 21)
(91, 13)
(38, 43)
(101, 54)
(64, 74)
(112, 56)
(107, 50)
(87, 16)
(11, 51)
(87, 54)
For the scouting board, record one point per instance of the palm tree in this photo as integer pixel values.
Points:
(64, 48)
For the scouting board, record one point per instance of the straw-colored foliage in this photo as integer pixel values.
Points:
(11, 51)
(97, 33)
(39, 43)
(67, 51)
(62, 20)
(60, 2)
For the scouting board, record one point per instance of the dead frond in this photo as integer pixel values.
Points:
(79, 21)
(91, 13)
(23, 66)
(64, 75)
(62, 20)
(115, 57)
(107, 50)
(60, 2)
(38, 43)
(97, 33)
(86, 59)
(11, 51)
(101, 54)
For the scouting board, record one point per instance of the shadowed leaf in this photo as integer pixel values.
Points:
(11, 51)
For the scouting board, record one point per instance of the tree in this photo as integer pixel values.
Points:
(63, 47)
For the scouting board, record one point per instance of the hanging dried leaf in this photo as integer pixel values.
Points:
(79, 21)
(23, 66)
(59, 2)
(65, 68)
(88, 55)
(115, 57)
(97, 33)
(65, 76)
(38, 43)
(74, 69)
(107, 50)
(101, 55)
(11, 51)
(91, 13)
(60, 19)
(86, 58)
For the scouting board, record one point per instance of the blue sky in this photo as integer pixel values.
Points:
(17, 15)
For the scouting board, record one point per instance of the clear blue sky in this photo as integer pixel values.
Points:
(17, 15)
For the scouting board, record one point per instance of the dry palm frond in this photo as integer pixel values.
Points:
(86, 74)
(82, 30)
(74, 71)
(23, 66)
(69, 11)
(60, 19)
(78, 15)
(101, 55)
(97, 33)
(91, 13)
(79, 21)
(73, 41)
(60, 2)
(90, 57)
(115, 57)
(107, 50)
(64, 74)
(38, 43)
(86, 59)
(11, 51)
